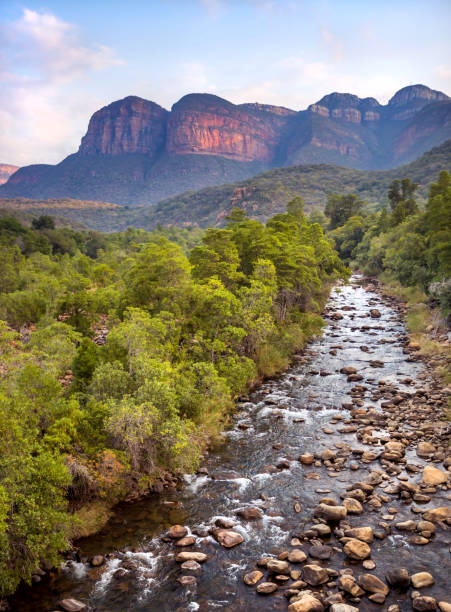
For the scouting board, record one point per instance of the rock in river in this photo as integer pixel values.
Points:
(399, 578)
(422, 579)
(373, 584)
(228, 538)
(307, 602)
(191, 556)
(253, 577)
(434, 476)
(357, 550)
(315, 575)
(331, 513)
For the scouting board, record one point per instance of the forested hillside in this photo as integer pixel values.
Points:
(267, 194)
(262, 196)
(122, 355)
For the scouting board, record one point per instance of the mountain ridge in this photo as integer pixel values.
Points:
(136, 152)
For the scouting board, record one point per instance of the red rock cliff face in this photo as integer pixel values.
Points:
(131, 125)
(206, 124)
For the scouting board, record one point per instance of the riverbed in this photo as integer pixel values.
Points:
(306, 410)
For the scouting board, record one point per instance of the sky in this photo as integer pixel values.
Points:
(60, 60)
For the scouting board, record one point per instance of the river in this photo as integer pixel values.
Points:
(298, 412)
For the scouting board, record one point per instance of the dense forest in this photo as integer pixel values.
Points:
(403, 244)
(121, 356)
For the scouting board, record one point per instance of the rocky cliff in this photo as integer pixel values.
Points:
(131, 125)
(136, 152)
(6, 170)
(208, 125)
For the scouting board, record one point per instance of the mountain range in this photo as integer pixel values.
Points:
(135, 152)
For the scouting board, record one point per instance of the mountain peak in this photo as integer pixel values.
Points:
(420, 95)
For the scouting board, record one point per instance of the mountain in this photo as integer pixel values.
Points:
(6, 170)
(135, 152)
(261, 196)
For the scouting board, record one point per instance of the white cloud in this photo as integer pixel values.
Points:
(444, 72)
(43, 59)
(334, 44)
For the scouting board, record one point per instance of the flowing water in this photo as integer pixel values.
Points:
(282, 419)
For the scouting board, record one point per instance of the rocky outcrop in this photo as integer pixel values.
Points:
(209, 125)
(6, 170)
(131, 125)
(409, 100)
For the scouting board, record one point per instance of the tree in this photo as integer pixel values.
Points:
(340, 208)
(43, 222)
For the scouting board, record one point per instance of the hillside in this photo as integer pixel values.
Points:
(268, 193)
(77, 214)
(136, 153)
(261, 196)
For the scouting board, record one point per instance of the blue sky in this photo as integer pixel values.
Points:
(60, 61)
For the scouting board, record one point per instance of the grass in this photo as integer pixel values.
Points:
(425, 325)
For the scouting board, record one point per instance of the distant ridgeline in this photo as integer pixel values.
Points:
(261, 196)
(135, 152)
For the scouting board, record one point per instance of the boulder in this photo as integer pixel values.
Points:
(307, 602)
(191, 566)
(251, 513)
(373, 584)
(177, 531)
(253, 577)
(187, 541)
(228, 538)
(341, 607)
(306, 459)
(191, 556)
(187, 581)
(315, 575)
(421, 580)
(425, 450)
(278, 567)
(348, 370)
(331, 513)
(399, 578)
(365, 534)
(434, 476)
(297, 556)
(353, 506)
(444, 606)
(357, 550)
(375, 314)
(265, 588)
(438, 514)
(424, 604)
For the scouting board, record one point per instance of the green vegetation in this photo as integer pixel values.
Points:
(121, 356)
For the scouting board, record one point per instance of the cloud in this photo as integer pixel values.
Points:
(44, 59)
(443, 72)
(334, 44)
